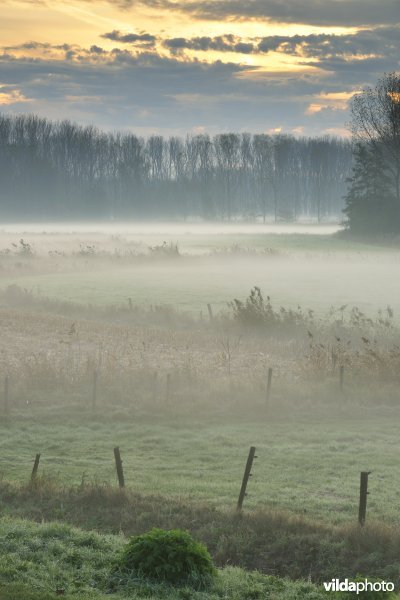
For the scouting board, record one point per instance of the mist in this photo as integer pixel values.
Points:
(145, 363)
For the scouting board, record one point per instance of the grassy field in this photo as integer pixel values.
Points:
(100, 267)
(184, 397)
(56, 559)
(306, 464)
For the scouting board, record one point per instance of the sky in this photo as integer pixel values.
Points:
(184, 67)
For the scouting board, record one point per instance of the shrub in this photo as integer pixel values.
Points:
(168, 556)
(165, 250)
(258, 312)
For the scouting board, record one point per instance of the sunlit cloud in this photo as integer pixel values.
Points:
(219, 64)
(329, 101)
(11, 96)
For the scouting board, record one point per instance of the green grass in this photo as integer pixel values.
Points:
(307, 464)
(37, 560)
(314, 271)
(300, 515)
(272, 542)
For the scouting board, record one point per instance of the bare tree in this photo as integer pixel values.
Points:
(62, 170)
(375, 114)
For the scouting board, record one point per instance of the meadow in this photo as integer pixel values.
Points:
(188, 267)
(107, 340)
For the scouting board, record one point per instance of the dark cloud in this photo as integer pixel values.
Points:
(146, 92)
(367, 53)
(344, 13)
(96, 49)
(129, 38)
(383, 41)
(32, 45)
(316, 12)
(225, 43)
(152, 93)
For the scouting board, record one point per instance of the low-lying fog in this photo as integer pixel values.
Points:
(295, 265)
(171, 229)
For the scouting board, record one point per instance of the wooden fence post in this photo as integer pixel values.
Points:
(118, 464)
(168, 388)
(210, 312)
(35, 467)
(362, 509)
(269, 383)
(341, 377)
(6, 386)
(247, 474)
(154, 385)
(94, 391)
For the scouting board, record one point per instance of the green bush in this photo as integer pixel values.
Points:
(167, 556)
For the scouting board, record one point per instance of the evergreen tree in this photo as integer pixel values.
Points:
(373, 200)
(371, 205)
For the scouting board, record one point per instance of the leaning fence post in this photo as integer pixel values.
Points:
(362, 509)
(247, 474)
(341, 377)
(35, 467)
(118, 464)
(6, 386)
(269, 383)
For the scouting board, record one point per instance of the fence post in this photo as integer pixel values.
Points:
(154, 385)
(247, 474)
(6, 386)
(118, 464)
(269, 383)
(94, 392)
(362, 509)
(35, 467)
(168, 388)
(341, 377)
(210, 312)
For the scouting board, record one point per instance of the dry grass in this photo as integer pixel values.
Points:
(274, 542)
(219, 363)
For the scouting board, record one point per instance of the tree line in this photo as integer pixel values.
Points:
(60, 170)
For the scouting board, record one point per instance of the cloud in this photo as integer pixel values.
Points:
(342, 13)
(313, 12)
(382, 41)
(123, 90)
(221, 43)
(146, 91)
(10, 96)
(130, 38)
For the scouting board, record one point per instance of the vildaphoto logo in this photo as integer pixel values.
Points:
(359, 586)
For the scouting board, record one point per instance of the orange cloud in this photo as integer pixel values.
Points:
(12, 97)
(330, 100)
